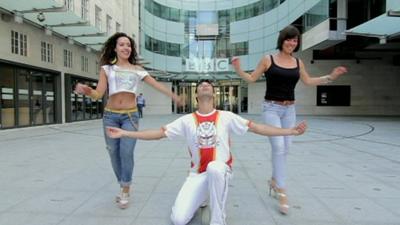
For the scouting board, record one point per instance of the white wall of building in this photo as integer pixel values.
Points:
(123, 12)
(374, 88)
(35, 36)
(156, 102)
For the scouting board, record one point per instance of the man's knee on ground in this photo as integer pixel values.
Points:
(179, 218)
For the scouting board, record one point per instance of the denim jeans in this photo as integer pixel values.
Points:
(284, 117)
(121, 149)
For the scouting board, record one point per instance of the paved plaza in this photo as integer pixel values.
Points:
(343, 171)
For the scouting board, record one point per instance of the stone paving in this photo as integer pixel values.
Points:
(343, 171)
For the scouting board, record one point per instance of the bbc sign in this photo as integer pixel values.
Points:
(207, 65)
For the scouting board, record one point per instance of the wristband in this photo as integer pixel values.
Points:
(95, 95)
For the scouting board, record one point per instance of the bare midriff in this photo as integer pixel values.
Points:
(123, 100)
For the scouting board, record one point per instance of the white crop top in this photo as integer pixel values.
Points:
(123, 80)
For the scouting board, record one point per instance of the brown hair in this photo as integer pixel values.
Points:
(288, 32)
(108, 54)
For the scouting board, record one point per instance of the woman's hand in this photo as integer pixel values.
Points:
(114, 132)
(337, 72)
(83, 89)
(235, 63)
(300, 128)
(179, 100)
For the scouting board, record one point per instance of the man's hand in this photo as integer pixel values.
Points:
(114, 132)
(300, 128)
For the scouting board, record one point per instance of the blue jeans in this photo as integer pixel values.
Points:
(284, 117)
(121, 149)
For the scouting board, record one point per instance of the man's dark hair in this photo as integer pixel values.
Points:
(288, 32)
(202, 81)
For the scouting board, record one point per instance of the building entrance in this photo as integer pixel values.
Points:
(227, 96)
(27, 97)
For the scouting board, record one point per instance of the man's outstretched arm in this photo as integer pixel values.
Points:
(114, 132)
(268, 130)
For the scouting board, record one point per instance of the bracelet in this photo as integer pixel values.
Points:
(95, 95)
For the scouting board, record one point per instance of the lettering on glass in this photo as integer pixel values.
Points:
(207, 65)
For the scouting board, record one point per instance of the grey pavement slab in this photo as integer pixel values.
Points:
(344, 170)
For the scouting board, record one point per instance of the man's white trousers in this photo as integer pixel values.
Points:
(198, 188)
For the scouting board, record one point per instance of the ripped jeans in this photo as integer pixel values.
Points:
(121, 149)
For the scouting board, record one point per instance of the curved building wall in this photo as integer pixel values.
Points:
(372, 92)
(246, 28)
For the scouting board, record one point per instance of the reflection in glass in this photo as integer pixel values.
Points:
(207, 17)
(7, 102)
(316, 15)
(23, 97)
(49, 96)
(83, 107)
(37, 100)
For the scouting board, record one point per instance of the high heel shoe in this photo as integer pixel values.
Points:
(272, 188)
(279, 194)
(283, 203)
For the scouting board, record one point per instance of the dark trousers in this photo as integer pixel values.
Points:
(140, 109)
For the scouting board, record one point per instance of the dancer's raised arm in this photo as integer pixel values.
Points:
(153, 134)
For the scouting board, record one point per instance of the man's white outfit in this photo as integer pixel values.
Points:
(209, 147)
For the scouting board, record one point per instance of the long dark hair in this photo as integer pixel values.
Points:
(288, 32)
(108, 54)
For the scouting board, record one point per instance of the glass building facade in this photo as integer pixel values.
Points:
(188, 40)
(184, 41)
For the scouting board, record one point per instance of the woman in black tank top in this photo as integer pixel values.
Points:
(282, 72)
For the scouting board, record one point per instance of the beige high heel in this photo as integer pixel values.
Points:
(279, 193)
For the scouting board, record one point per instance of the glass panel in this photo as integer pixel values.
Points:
(233, 98)
(244, 101)
(240, 13)
(218, 100)
(49, 96)
(165, 11)
(37, 99)
(156, 9)
(227, 97)
(175, 15)
(79, 107)
(73, 107)
(88, 107)
(92, 106)
(184, 89)
(208, 49)
(207, 17)
(316, 15)
(83, 107)
(23, 97)
(7, 101)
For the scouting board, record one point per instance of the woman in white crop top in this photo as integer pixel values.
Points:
(121, 74)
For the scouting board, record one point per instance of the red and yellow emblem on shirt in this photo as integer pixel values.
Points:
(207, 139)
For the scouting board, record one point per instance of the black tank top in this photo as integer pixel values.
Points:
(281, 82)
